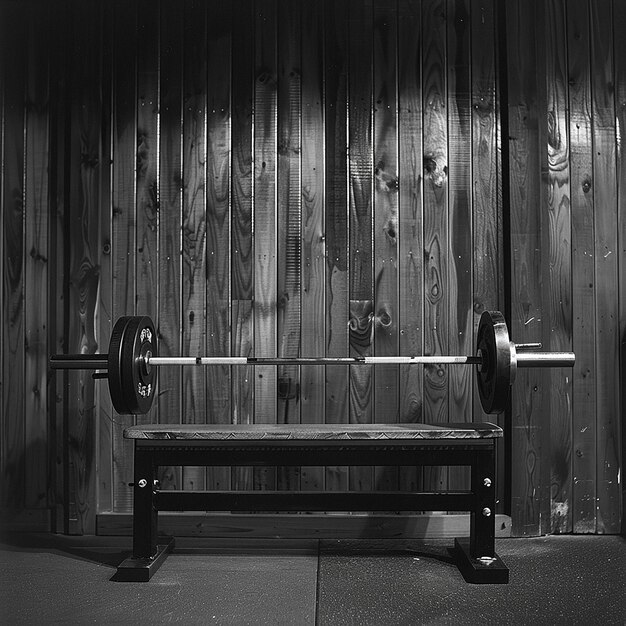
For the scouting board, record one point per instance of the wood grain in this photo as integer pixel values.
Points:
(36, 248)
(488, 186)
(147, 145)
(59, 97)
(528, 397)
(488, 269)
(13, 346)
(619, 46)
(3, 56)
(242, 261)
(289, 207)
(361, 286)
(169, 315)
(124, 217)
(313, 261)
(88, 159)
(84, 272)
(559, 234)
(436, 234)
(336, 220)
(410, 217)
(386, 335)
(460, 149)
(218, 380)
(104, 312)
(265, 226)
(436, 279)
(146, 173)
(583, 302)
(194, 250)
(606, 268)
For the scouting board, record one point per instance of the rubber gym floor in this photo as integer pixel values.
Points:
(553, 580)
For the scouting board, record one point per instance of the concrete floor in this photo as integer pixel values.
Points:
(48, 579)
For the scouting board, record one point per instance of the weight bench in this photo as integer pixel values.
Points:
(316, 444)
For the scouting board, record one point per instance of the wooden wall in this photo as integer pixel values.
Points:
(336, 178)
(566, 104)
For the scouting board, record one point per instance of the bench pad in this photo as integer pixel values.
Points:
(313, 432)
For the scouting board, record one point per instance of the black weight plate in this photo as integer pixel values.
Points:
(137, 381)
(116, 383)
(131, 383)
(494, 376)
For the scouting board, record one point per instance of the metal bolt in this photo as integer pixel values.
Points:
(487, 482)
(486, 512)
(142, 482)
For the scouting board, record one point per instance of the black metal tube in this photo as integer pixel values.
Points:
(79, 361)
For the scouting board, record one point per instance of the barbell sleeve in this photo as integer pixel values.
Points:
(546, 359)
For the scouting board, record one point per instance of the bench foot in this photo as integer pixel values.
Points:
(141, 569)
(477, 570)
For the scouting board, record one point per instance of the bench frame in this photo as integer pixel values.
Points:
(475, 557)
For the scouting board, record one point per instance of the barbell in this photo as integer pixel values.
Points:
(132, 361)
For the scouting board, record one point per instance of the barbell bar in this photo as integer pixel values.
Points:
(132, 360)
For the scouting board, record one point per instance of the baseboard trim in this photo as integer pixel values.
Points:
(304, 526)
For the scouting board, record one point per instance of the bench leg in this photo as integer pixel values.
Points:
(147, 555)
(477, 558)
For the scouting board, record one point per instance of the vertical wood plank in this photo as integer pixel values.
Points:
(488, 271)
(147, 145)
(36, 257)
(529, 393)
(218, 408)
(560, 303)
(436, 234)
(242, 248)
(265, 234)
(124, 218)
(169, 318)
(3, 56)
(313, 262)
(583, 302)
(460, 223)
(147, 161)
(460, 147)
(619, 55)
(83, 232)
(336, 220)
(289, 207)
(57, 341)
(410, 216)
(194, 224)
(106, 418)
(606, 268)
(386, 337)
(360, 89)
(14, 56)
